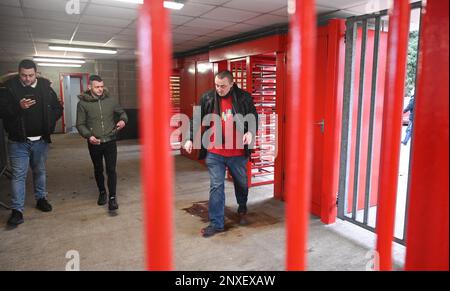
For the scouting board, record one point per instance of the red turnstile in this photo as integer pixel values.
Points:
(260, 72)
(174, 85)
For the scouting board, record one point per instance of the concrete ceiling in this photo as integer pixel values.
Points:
(28, 26)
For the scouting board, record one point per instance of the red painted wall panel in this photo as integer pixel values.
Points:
(365, 117)
(204, 78)
(187, 88)
(269, 44)
(333, 120)
(319, 115)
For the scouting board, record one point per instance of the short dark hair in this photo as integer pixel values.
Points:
(95, 78)
(27, 64)
(225, 74)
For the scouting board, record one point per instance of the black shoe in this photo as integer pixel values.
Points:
(242, 214)
(242, 209)
(102, 198)
(112, 204)
(43, 205)
(210, 230)
(16, 218)
(243, 219)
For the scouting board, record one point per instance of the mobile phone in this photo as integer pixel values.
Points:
(30, 96)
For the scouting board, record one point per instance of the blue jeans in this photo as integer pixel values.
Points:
(22, 154)
(216, 167)
(408, 132)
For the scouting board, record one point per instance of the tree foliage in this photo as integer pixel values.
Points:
(412, 62)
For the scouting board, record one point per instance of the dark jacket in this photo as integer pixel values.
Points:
(98, 116)
(242, 104)
(410, 107)
(13, 115)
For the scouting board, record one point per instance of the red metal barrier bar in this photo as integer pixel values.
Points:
(428, 214)
(299, 130)
(154, 42)
(333, 116)
(391, 129)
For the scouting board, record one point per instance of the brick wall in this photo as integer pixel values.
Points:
(120, 79)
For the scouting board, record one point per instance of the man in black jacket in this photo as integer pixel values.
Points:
(29, 108)
(227, 143)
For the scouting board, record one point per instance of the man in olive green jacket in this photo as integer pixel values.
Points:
(96, 114)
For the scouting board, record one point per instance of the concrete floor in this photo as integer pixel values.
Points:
(115, 242)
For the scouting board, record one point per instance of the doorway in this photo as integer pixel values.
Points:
(71, 86)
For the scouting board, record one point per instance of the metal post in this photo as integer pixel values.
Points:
(299, 125)
(391, 130)
(344, 167)
(359, 120)
(154, 42)
(372, 119)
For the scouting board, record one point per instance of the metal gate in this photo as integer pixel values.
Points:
(365, 66)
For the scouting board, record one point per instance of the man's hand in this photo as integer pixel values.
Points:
(93, 140)
(120, 125)
(26, 103)
(247, 138)
(188, 147)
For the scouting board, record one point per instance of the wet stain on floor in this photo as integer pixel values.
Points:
(254, 218)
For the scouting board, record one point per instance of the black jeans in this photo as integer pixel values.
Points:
(107, 150)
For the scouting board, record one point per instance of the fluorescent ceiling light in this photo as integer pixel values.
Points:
(83, 49)
(167, 4)
(173, 5)
(58, 60)
(58, 65)
(132, 1)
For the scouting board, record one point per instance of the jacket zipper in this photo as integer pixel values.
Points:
(101, 116)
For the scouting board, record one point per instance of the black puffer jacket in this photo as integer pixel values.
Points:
(12, 114)
(242, 104)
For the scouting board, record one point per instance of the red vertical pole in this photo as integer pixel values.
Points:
(299, 130)
(428, 216)
(333, 120)
(154, 42)
(280, 111)
(391, 129)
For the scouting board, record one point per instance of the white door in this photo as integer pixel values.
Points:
(75, 90)
(72, 88)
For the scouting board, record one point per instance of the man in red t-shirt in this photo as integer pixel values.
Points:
(231, 138)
